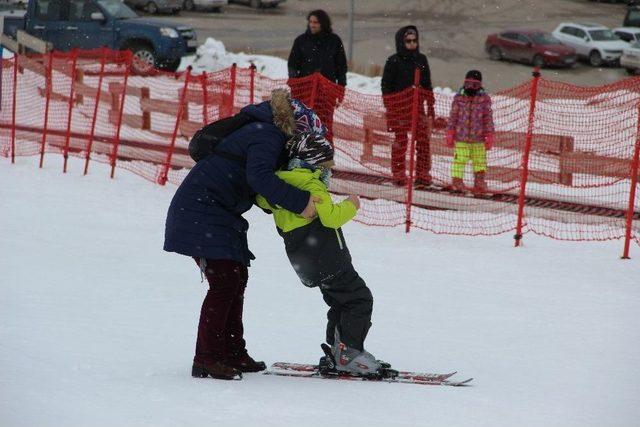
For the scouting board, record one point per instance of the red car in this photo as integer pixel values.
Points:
(531, 46)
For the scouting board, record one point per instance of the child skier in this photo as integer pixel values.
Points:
(319, 254)
(470, 130)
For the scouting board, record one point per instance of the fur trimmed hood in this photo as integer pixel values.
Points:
(283, 111)
(277, 111)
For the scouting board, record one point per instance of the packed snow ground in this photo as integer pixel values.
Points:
(98, 324)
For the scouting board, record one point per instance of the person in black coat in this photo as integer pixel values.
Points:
(204, 221)
(319, 49)
(398, 75)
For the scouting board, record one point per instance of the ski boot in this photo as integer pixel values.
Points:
(479, 184)
(342, 360)
(457, 185)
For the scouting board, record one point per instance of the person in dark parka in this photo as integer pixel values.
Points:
(398, 75)
(205, 222)
(319, 49)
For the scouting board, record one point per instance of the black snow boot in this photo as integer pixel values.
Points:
(245, 363)
(216, 370)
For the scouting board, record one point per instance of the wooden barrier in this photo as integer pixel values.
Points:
(377, 136)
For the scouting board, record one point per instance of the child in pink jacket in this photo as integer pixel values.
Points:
(470, 132)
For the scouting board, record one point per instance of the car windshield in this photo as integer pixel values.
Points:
(603, 35)
(117, 9)
(544, 38)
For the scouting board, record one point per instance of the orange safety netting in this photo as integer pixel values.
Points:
(562, 165)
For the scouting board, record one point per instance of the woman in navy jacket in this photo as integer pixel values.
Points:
(205, 222)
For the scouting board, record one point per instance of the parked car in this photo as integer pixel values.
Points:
(632, 19)
(630, 58)
(211, 5)
(628, 34)
(91, 24)
(530, 46)
(18, 4)
(156, 6)
(592, 41)
(258, 3)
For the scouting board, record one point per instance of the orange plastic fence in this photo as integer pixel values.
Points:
(564, 163)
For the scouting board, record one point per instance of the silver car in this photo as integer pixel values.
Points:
(212, 5)
(156, 6)
(630, 58)
(259, 3)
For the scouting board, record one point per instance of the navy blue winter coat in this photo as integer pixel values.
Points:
(205, 215)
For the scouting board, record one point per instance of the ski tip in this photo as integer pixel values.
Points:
(463, 383)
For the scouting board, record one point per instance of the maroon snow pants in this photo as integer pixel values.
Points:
(220, 330)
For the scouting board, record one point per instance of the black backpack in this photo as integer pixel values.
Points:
(205, 140)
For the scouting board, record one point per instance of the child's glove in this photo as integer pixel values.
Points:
(451, 136)
(488, 141)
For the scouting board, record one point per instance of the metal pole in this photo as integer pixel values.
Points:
(352, 11)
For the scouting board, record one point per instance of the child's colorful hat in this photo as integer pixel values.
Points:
(310, 147)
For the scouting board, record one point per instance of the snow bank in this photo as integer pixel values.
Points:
(213, 56)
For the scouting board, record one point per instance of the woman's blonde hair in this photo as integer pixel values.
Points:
(282, 111)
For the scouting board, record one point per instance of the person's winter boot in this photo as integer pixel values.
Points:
(422, 182)
(399, 180)
(245, 363)
(457, 185)
(479, 184)
(216, 370)
(354, 361)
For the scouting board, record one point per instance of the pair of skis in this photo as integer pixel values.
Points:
(327, 370)
(301, 370)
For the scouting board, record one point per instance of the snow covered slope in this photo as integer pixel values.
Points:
(97, 323)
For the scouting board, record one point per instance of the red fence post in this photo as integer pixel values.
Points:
(525, 157)
(13, 107)
(632, 192)
(412, 145)
(67, 140)
(205, 99)
(48, 90)
(116, 143)
(314, 89)
(232, 100)
(252, 77)
(103, 59)
(162, 180)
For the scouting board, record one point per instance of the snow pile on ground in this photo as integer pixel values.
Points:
(97, 325)
(6, 53)
(213, 56)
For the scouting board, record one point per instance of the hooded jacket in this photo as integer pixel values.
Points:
(471, 117)
(205, 214)
(322, 52)
(316, 248)
(400, 67)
